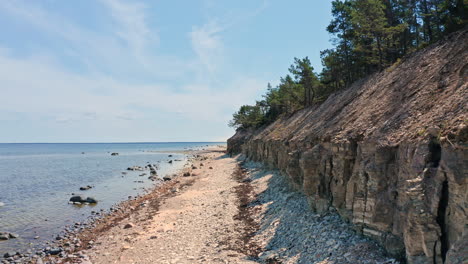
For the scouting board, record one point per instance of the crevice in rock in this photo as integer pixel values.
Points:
(366, 190)
(441, 212)
(435, 153)
(348, 172)
(330, 192)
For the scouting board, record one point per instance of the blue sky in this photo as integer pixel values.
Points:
(132, 71)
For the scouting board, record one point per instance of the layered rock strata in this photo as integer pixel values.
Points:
(390, 154)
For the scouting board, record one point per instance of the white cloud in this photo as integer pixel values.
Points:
(104, 51)
(49, 89)
(132, 27)
(207, 44)
(40, 87)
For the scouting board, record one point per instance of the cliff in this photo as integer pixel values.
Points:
(390, 153)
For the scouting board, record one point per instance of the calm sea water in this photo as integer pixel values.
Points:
(37, 180)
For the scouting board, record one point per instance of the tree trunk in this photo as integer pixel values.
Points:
(379, 48)
(427, 21)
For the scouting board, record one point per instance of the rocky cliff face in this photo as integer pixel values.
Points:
(390, 154)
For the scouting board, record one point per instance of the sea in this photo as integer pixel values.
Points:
(38, 179)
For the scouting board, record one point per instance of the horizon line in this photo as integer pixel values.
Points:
(135, 142)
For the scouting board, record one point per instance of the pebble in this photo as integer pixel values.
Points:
(128, 225)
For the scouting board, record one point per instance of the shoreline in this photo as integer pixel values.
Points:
(227, 211)
(72, 238)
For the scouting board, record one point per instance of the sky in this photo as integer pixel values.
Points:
(145, 71)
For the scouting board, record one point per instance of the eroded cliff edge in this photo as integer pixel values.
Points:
(389, 153)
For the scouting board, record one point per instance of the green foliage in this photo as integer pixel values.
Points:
(247, 116)
(304, 75)
(369, 36)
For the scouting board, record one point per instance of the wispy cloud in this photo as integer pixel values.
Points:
(48, 89)
(42, 87)
(207, 41)
(131, 25)
(207, 44)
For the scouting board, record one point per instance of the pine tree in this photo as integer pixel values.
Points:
(303, 72)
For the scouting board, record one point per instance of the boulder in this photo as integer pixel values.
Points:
(135, 168)
(7, 235)
(54, 251)
(9, 254)
(4, 236)
(91, 200)
(153, 178)
(77, 199)
(84, 188)
(167, 178)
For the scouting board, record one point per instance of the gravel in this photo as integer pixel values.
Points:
(290, 232)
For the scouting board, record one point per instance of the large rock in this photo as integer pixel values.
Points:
(77, 199)
(81, 199)
(7, 235)
(4, 236)
(167, 178)
(91, 200)
(135, 168)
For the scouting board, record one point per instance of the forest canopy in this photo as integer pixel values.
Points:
(368, 36)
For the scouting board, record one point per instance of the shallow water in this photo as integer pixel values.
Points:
(37, 180)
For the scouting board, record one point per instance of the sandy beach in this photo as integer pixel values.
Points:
(227, 211)
(193, 221)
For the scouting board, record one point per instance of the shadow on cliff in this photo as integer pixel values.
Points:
(291, 231)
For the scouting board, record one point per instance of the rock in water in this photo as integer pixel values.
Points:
(91, 200)
(80, 199)
(9, 254)
(54, 251)
(77, 199)
(4, 236)
(167, 178)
